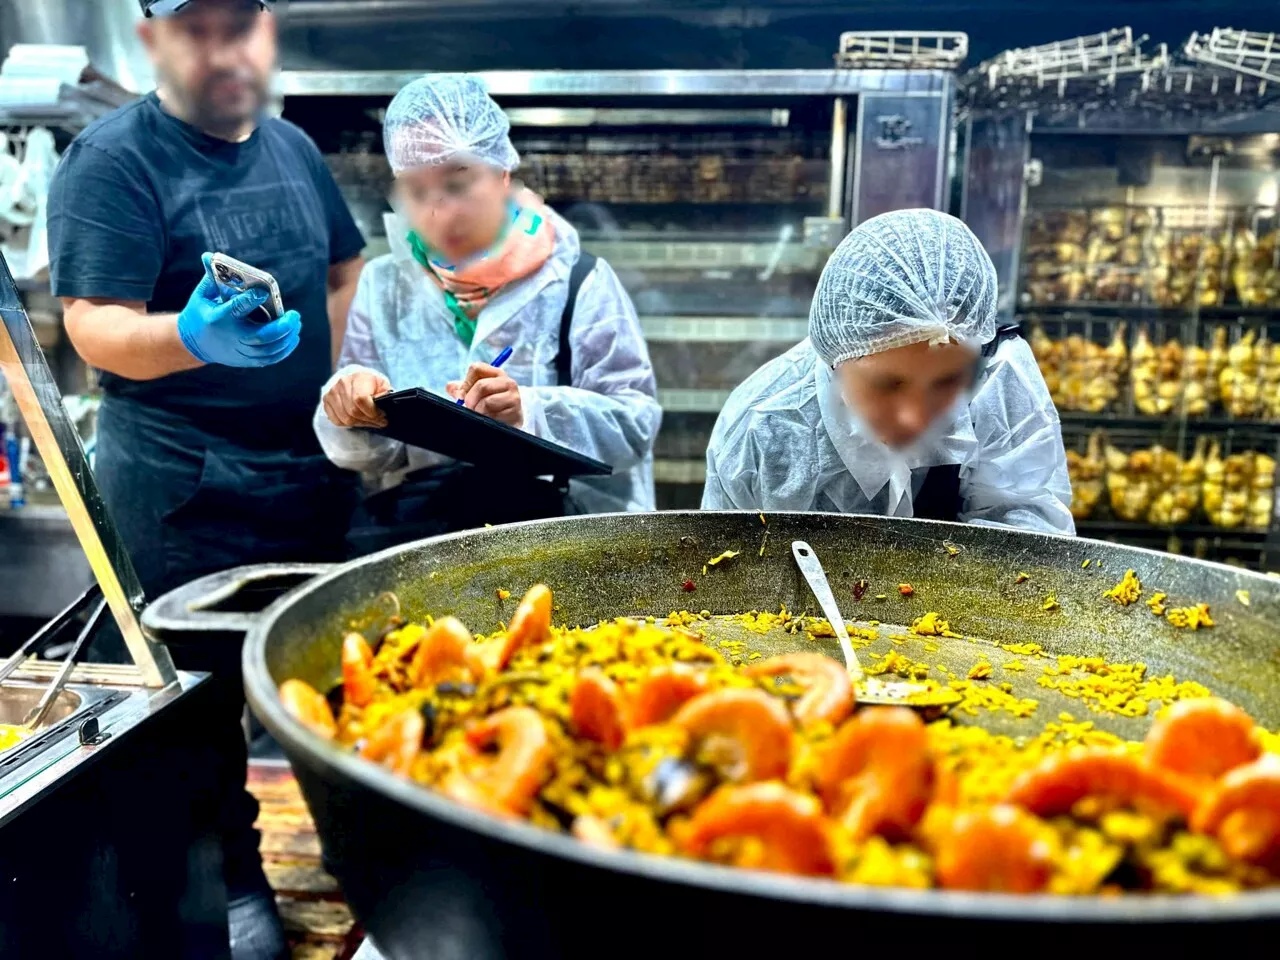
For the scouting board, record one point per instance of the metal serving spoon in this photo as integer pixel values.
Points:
(871, 690)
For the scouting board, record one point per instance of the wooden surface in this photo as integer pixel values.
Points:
(316, 919)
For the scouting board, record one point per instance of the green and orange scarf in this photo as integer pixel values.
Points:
(524, 245)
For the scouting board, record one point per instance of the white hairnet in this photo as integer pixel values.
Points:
(442, 116)
(911, 276)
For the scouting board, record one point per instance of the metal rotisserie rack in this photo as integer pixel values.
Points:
(1128, 196)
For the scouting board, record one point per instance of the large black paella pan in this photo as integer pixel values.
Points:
(429, 878)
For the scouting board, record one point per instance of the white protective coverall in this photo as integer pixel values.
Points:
(786, 440)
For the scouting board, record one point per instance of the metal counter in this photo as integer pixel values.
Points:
(108, 839)
(115, 708)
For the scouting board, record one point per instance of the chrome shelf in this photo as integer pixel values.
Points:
(679, 471)
(775, 257)
(723, 330)
(1123, 527)
(635, 83)
(1078, 418)
(1150, 311)
(693, 401)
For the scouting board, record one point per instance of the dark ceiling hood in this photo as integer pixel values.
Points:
(307, 13)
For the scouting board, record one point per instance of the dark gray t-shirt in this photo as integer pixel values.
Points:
(136, 200)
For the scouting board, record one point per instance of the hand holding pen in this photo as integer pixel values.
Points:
(489, 391)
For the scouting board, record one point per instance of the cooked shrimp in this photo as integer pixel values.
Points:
(358, 683)
(1202, 739)
(308, 706)
(1243, 812)
(508, 782)
(446, 654)
(793, 834)
(529, 624)
(594, 832)
(1253, 835)
(828, 693)
(999, 849)
(396, 743)
(1058, 782)
(664, 691)
(598, 709)
(744, 733)
(946, 787)
(877, 773)
(532, 619)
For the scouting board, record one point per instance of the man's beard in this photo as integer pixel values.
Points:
(202, 110)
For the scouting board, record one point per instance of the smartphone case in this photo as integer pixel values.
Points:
(258, 278)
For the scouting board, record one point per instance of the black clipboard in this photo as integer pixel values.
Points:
(424, 419)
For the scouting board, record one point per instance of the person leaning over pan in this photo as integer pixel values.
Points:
(904, 401)
(206, 458)
(484, 267)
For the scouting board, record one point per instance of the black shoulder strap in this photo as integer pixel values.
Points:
(1002, 334)
(564, 359)
(939, 496)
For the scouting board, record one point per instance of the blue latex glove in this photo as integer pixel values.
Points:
(224, 333)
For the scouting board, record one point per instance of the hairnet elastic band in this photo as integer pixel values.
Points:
(935, 338)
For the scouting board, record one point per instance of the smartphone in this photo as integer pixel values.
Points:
(234, 277)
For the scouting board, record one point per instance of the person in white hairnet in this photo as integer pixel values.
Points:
(478, 266)
(904, 400)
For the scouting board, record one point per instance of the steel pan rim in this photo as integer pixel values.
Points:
(1134, 909)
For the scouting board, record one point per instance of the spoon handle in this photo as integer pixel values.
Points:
(811, 567)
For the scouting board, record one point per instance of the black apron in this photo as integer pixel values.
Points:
(939, 496)
(188, 503)
(459, 496)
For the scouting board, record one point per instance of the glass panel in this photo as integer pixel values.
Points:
(701, 210)
(23, 366)
(996, 152)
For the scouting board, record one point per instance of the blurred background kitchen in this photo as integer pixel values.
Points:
(1124, 179)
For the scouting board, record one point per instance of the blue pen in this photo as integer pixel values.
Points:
(498, 361)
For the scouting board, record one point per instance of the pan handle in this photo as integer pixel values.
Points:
(227, 602)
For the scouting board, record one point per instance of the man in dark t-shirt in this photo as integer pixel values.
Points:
(206, 456)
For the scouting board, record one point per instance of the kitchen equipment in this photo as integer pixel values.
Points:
(715, 195)
(428, 878)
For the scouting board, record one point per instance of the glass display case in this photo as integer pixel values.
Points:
(1134, 225)
(702, 214)
(716, 196)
